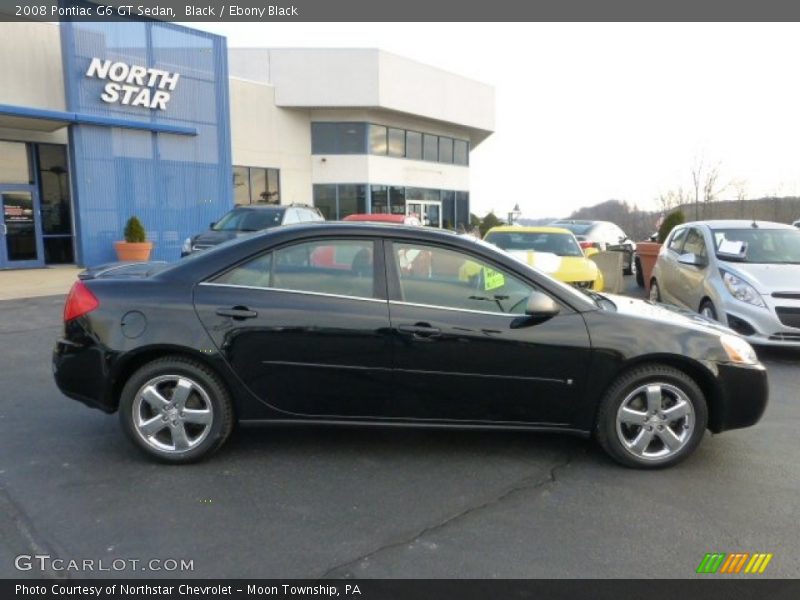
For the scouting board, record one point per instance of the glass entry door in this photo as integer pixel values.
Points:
(428, 212)
(20, 235)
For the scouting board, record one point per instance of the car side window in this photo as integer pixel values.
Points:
(439, 277)
(676, 241)
(695, 244)
(338, 267)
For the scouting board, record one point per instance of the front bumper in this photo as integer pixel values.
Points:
(761, 326)
(742, 399)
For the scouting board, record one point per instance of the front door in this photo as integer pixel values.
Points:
(20, 229)
(464, 349)
(428, 212)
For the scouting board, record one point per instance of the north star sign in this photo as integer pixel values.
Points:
(133, 85)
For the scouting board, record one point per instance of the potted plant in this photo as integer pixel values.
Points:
(135, 248)
(647, 252)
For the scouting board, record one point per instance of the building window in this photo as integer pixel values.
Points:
(460, 152)
(379, 199)
(397, 200)
(397, 142)
(325, 201)
(462, 211)
(14, 163)
(338, 138)
(377, 140)
(256, 185)
(241, 185)
(413, 145)
(448, 209)
(446, 150)
(352, 200)
(430, 147)
(55, 204)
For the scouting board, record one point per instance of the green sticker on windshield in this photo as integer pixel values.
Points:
(492, 279)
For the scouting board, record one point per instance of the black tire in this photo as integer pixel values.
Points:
(606, 427)
(639, 273)
(209, 389)
(707, 309)
(655, 291)
(629, 270)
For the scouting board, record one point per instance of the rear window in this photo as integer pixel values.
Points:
(250, 219)
(576, 228)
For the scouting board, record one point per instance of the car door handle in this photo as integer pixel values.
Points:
(423, 330)
(239, 313)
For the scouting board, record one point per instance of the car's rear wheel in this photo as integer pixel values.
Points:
(655, 292)
(176, 410)
(639, 274)
(652, 417)
(707, 310)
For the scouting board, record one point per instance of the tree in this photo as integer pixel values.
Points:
(489, 221)
(671, 221)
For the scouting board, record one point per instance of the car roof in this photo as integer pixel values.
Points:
(741, 224)
(376, 218)
(524, 229)
(263, 207)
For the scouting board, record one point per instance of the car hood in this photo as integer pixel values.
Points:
(666, 313)
(564, 268)
(766, 278)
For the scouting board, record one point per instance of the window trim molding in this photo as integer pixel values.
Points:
(287, 291)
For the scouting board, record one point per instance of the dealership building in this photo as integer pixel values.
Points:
(103, 121)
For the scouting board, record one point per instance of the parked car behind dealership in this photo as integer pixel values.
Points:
(246, 219)
(553, 250)
(745, 274)
(418, 327)
(605, 236)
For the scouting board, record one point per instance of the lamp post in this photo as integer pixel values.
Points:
(514, 215)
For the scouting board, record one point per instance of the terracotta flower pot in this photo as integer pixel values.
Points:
(648, 254)
(133, 252)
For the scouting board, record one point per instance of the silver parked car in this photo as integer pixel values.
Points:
(745, 274)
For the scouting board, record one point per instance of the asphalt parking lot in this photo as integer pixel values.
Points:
(339, 502)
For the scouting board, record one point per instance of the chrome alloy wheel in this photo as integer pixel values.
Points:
(655, 421)
(172, 413)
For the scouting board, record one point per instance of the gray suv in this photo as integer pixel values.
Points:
(248, 218)
(745, 274)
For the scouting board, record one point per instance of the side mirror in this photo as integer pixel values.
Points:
(211, 225)
(541, 306)
(693, 260)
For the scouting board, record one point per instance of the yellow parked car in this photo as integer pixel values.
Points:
(552, 250)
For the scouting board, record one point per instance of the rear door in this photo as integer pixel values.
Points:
(690, 289)
(305, 326)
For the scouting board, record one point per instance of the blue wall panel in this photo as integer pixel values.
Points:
(176, 184)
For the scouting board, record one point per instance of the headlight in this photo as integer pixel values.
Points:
(187, 246)
(738, 350)
(741, 290)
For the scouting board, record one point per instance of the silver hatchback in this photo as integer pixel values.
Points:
(745, 274)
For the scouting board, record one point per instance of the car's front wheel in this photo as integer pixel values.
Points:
(652, 417)
(639, 274)
(176, 410)
(655, 292)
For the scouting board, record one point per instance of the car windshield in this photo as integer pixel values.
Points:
(576, 228)
(562, 244)
(757, 245)
(249, 219)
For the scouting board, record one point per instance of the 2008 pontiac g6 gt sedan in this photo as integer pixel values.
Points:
(347, 323)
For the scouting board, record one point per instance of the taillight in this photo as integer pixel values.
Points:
(586, 244)
(79, 302)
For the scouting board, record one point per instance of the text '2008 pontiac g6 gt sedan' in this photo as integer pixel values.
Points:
(354, 323)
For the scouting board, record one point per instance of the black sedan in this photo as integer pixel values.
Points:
(348, 323)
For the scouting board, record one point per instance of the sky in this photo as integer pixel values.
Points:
(591, 112)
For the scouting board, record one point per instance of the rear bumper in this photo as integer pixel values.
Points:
(81, 374)
(744, 394)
